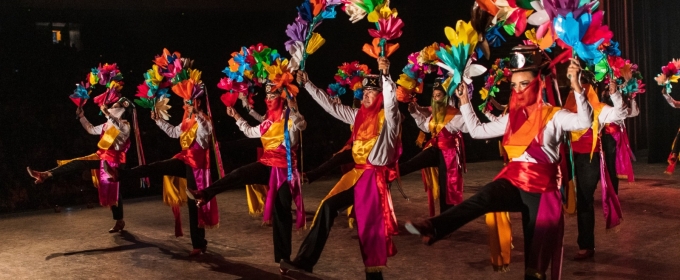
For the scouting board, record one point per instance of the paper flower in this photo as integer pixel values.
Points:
(354, 12)
(556, 8)
(464, 34)
(374, 49)
(279, 75)
(296, 31)
(161, 108)
(571, 31)
(336, 89)
(388, 29)
(229, 98)
(382, 12)
(315, 42)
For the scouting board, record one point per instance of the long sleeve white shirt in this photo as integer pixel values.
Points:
(422, 116)
(385, 150)
(202, 133)
(122, 126)
(563, 120)
(299, 124)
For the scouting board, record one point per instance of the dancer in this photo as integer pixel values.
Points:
(528, 183)
(590, 166)
(616, 146)
(192, 165)
(675, 148)
(442, 160)
(375, 148)
(271, 169)
(113, 144)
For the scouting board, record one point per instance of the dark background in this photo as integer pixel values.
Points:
(38, 124)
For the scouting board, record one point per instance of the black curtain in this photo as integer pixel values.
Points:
(647, 32)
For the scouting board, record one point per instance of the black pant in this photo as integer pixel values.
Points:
(609, 150)
(177, 168)
(430, 157)
(253, 173)
(84, 165)
(282, 223)
(258, 173)
(497, 196)
(587, 175)
(312, 246)
(343, 157)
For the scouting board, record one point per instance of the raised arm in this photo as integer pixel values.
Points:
(341, 112)
(299, 123)
(418, 114)
(634, 109)
(670, 100)
(259, 118)
(170, 130)
(249, 131)
(480, 130)
(457, 123)
(615, 113)
(94, 130)
(392, 115)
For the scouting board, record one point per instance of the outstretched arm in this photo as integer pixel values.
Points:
(670, 100)
(341, 112)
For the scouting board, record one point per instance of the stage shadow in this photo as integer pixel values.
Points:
(125, 236)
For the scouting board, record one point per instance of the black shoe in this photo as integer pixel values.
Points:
(286, 266)
(374, 276)
(198, 196)
(424, 229)
(120, 224)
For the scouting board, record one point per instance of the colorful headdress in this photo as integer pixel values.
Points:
(153, 92)
(497, 74)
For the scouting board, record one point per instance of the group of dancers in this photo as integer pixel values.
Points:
(535, 136)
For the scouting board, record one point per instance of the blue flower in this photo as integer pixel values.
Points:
(613, 49)
(359, 94)
(305, 11)
(494, 36)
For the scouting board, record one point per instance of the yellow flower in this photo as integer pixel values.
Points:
(531, 35)
(315, 43)
(674, 78)
(115, 85)
(463, 34)
(155, 75)
(484, 93)
(406, 81)
(383, 11)
(428, 54)
(195, 76)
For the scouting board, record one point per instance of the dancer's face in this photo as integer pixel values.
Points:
(117, 110)
(369, 97)
(273, 101)
(437, 95)
(525, 92)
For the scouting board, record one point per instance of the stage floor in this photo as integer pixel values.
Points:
(75, 244)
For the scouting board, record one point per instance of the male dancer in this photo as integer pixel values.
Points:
(375, 148)
(272, 169)
(192, 164)
(528, 183)
(586, 147)
(113, 144)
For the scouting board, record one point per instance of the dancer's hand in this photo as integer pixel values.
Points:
(155, 116)
(302, 78)
(232, 113)
(384, 65)
(462, 93)
(292, 104)
(104, 110)
(574, 74)
(612, 87)
(412, 107)
(79, 112)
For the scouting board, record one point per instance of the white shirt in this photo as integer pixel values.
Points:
(422, 116)
(299, 124)
(202, 133)
(122, 126)
(563, 120)
(385, 150)
(617, 113)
